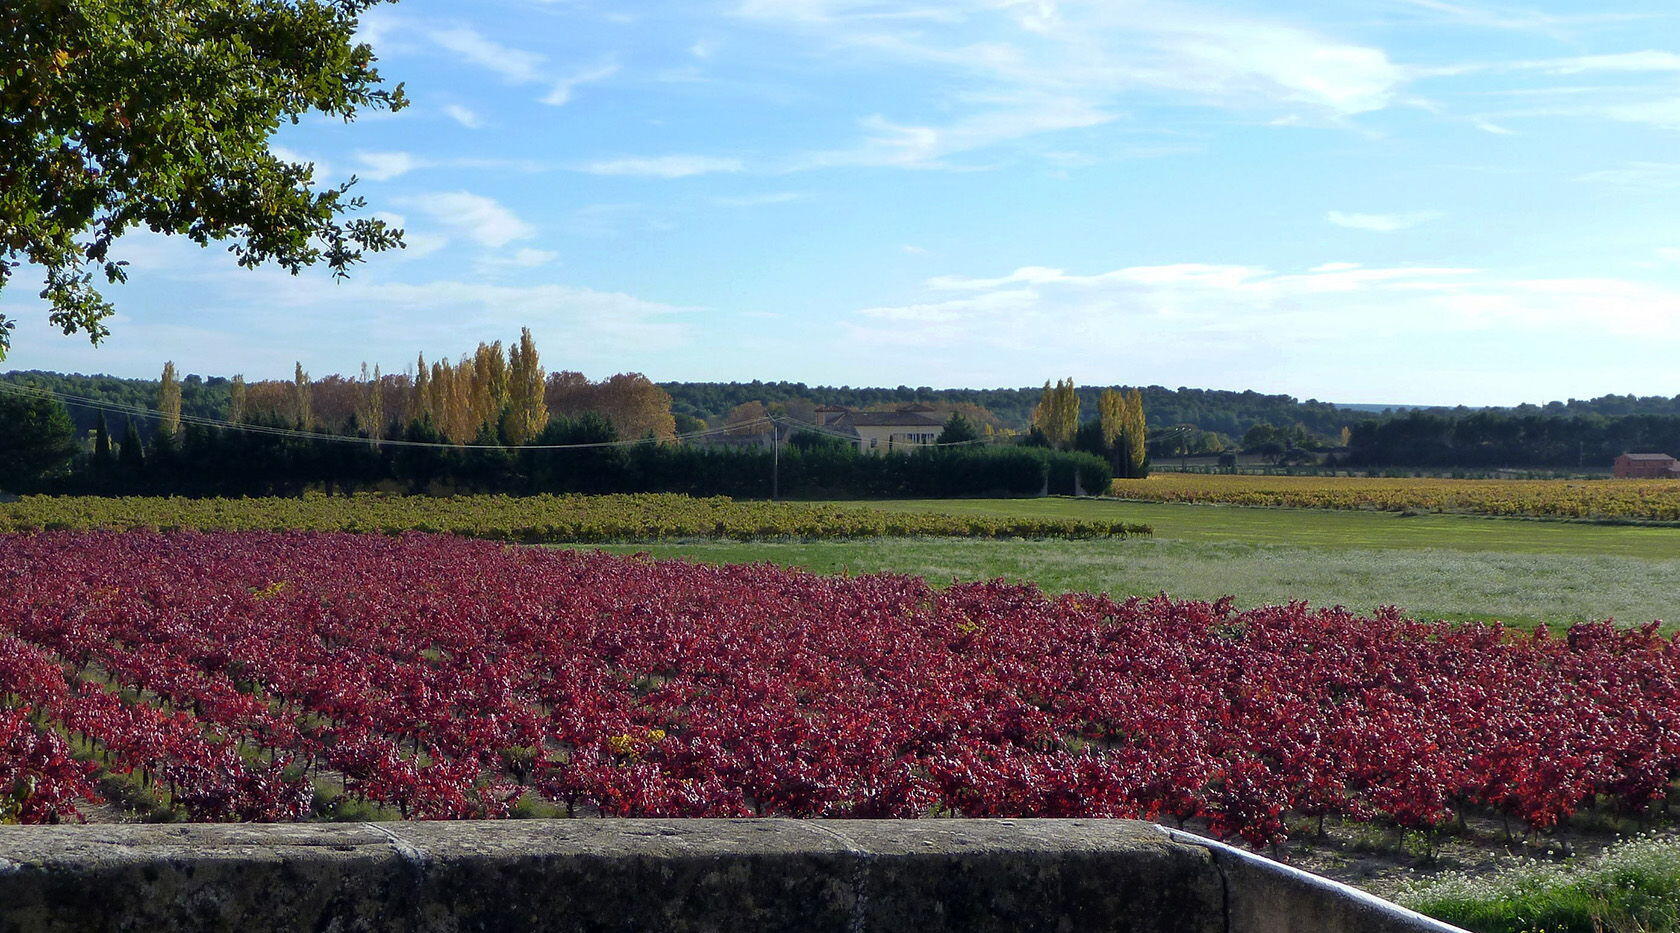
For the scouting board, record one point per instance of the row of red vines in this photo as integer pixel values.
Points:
(447, 678)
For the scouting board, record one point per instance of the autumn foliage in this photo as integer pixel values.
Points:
(445, 678)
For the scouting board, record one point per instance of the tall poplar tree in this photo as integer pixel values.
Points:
(527, 409)
(237, 400)
(1057, 414)
(169, 403)
(1111, 414)
(370, 411)
(1135, 451)
(303, 406)
(420, 393)
(489, 385)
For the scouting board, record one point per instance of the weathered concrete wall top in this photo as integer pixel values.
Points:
(924, 876)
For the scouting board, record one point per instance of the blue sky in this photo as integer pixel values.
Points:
(1424, 201)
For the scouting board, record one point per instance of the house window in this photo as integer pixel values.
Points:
(874, 442)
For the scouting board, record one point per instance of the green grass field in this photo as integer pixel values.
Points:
(1438, 566)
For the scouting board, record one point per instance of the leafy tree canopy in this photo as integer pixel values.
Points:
(36, 438)
(958, 430)
(116, 114)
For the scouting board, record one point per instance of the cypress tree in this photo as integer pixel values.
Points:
(101, 442)
(131, 456)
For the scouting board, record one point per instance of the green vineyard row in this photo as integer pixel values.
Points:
(532, 519)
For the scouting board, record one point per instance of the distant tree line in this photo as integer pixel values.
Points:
(1506, 439)
(207, 461)
(496, 396)
(1211, 412)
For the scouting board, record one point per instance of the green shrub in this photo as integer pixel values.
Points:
(1633, 887)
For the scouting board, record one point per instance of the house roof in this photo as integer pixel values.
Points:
(885, 419)
(1662, 457)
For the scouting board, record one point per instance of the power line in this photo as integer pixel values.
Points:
(276, 431)
(273, 431)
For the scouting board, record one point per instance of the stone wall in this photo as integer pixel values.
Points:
(915, 876)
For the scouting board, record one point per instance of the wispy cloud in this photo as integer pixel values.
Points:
(669, 166)
(562, 92)
(525, 258)
(481, 219)
(465, 116)
(384, 166)
(1638, 175)
(1224, 312)
(323, 170)
(1038, 67)
(1382, 223)
(1513, 18)
(517, 66)
(759, 200)
(514, 65)
(915, 146)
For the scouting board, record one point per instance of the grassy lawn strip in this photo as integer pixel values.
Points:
(1631, 888)
(541, 518)
(1325, 528)
(1522, 589)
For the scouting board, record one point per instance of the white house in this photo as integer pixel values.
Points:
(880, 432)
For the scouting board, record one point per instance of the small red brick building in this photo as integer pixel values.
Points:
(1647, 466)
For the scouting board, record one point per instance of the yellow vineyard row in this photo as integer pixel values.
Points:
(532, 519)
(1634, 500)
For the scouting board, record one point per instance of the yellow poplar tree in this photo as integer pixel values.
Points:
(1111, 414)
(236, 400)
(488, 385)
(527, 409)
(420, 392)
(303, 408)
(1057, 414)
(371, 411)
(1136, 437)
(169, 402)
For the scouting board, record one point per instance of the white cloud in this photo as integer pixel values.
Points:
(323, 170)
(514, 65)
(909, 146)
(475, 216)
(1233, 314)
(1382, 223)
(760, 200)
(526, 258)
(464, 116)
(1639, 175)
(384, 166)
(1661, 113)
(672, 166)
(1646, 61)
(1496, 17)
(561, 94)
(1096, 50)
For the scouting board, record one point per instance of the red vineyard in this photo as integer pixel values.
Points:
(252, 676)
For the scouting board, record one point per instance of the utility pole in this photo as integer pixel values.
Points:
(775, 463)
